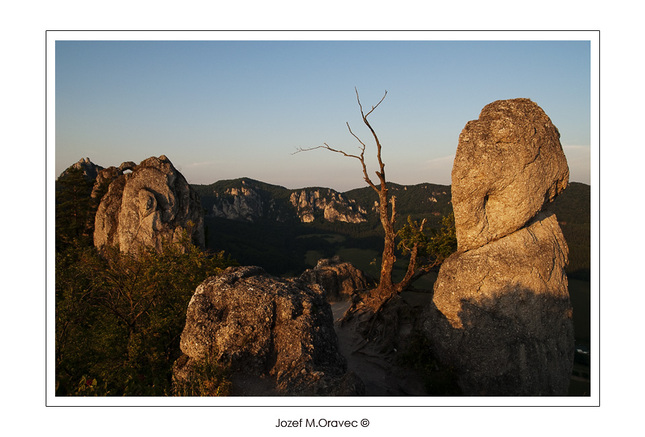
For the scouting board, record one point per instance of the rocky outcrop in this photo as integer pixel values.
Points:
(241, 204)
(335, 207)
(505, 313)
(104, 178)
(101, 177)
(338, 279)
(249, 200)
(502, 315)
(278, 332)
(508, 165)
(89, 169)
(151, 205)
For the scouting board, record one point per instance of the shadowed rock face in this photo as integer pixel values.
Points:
(533, 258)
(265, 328)
(144, 208)
(505, 316)
(509, 164)
(502, 315)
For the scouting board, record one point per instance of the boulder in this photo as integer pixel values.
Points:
(501, 314)
(338, 279)
(505, 319)
(509, 164)
(147, 207)
(276, 332)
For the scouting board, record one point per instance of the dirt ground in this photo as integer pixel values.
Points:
(377, 370)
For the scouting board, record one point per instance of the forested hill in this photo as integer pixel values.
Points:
(285, 229)
(421, 200)
(573, 210)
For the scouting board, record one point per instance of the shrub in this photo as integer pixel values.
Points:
(119, 317)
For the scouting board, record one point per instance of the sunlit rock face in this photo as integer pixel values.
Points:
(147, 207)
(89, 169)
(335, 207)
(509, 164)
(273, 330)
(502, 316)
(242, 204)
(338, 279)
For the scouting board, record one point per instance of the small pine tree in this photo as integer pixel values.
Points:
(75, 209)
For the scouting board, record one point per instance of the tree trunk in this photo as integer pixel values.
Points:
(386, 286)
(412, 269)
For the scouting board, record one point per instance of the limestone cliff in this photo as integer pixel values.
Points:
(333, 205)
(244, 204)
(249, 201)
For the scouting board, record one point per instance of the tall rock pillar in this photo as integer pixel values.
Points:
(502, 315)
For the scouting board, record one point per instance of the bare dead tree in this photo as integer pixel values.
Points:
(387, 213)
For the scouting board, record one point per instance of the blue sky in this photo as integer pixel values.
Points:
(227, 109)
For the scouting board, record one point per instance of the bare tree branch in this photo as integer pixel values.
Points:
(373, 107)
(360, 157)
(387, 217)
(357, 138)
(327, 147)
(381, 173)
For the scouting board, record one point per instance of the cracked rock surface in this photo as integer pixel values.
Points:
(509, 164)
(147, 207)
(501, 313)
(275, 335)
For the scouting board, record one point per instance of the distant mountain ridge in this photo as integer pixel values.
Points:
(275, 210)
(273, 226)
(249, 200)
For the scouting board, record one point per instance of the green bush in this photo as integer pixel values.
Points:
(119, 317)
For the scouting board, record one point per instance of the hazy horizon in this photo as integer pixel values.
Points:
(286, 186)
(228, 109)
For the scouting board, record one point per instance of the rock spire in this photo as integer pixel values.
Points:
(502, 315)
